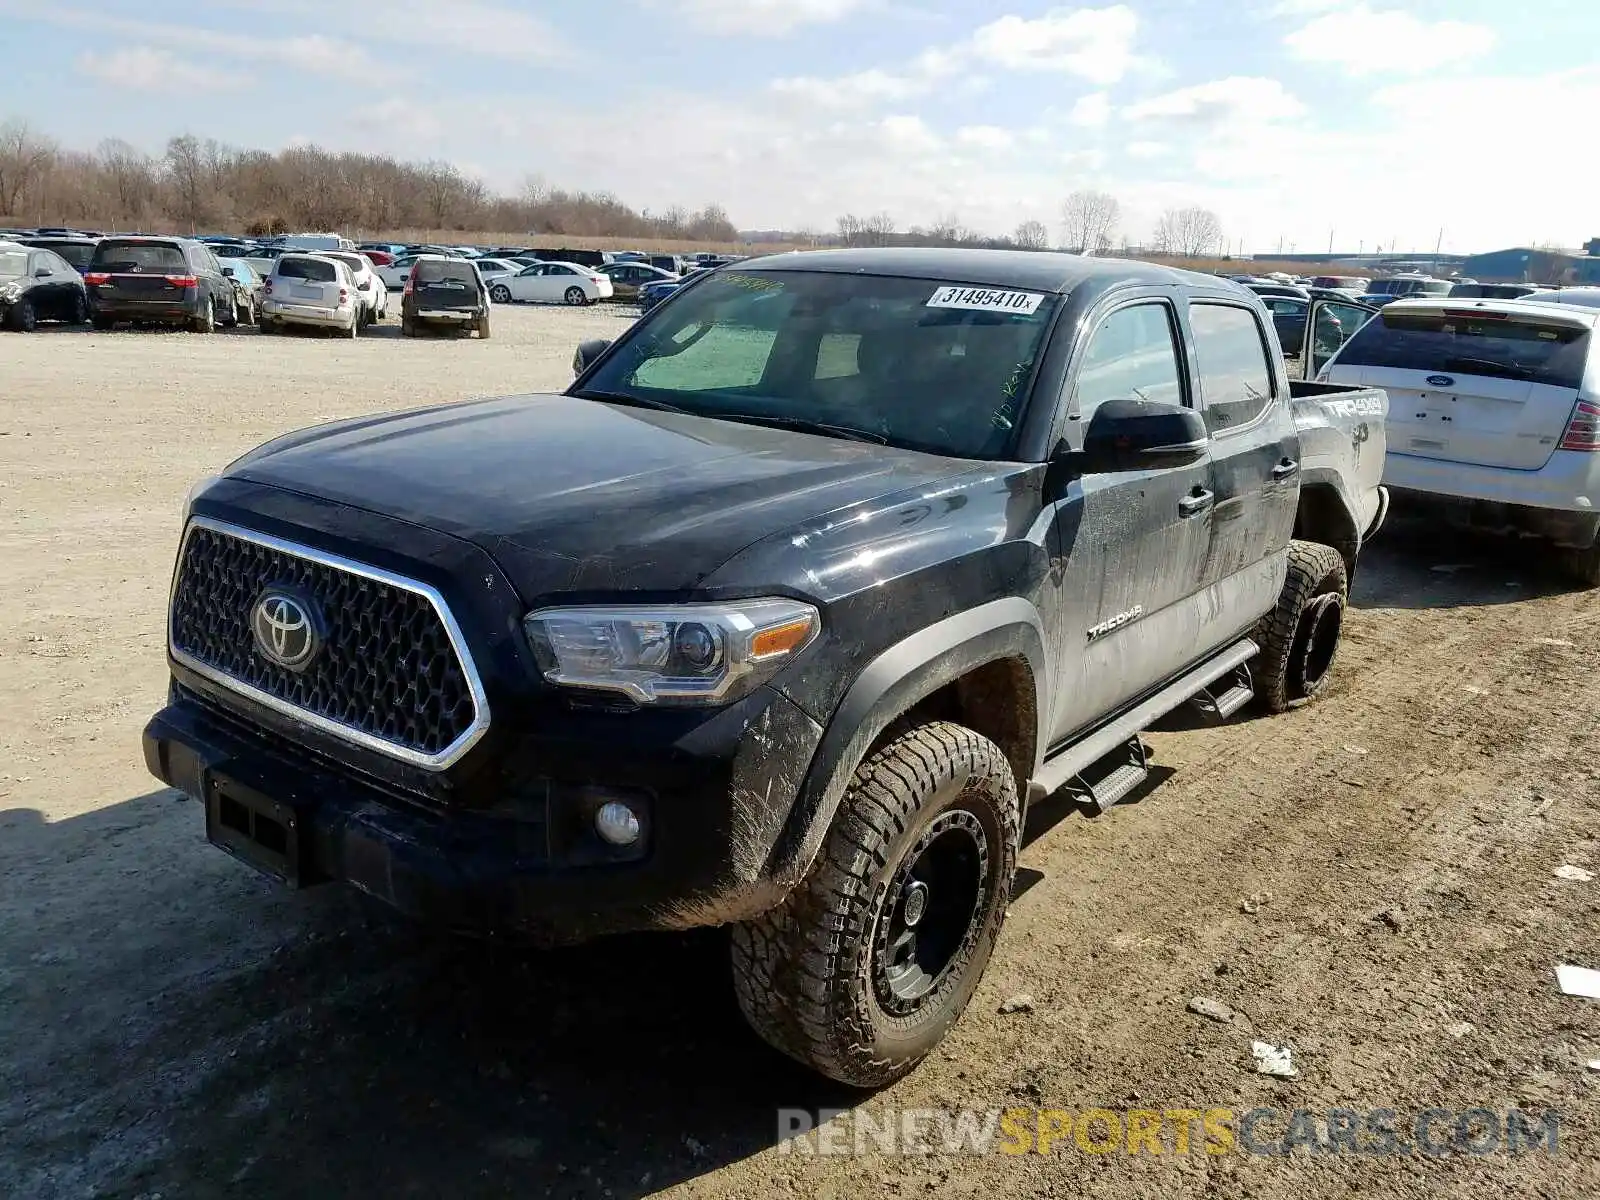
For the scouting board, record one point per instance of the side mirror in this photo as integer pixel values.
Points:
(228, 271)
(42, 273)
(587, 353)
(1134, 435)
(365, 285)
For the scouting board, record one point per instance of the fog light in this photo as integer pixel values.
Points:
(617, 823)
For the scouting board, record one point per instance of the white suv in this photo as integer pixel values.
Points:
(1496, 404)
(311, 289)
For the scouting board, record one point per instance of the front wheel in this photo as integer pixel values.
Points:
(1299, 639)
(576, 296)
(24, 317)
(862, 970)
(500, 294)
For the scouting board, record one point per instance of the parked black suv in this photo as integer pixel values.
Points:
(779, 617)
(170, 281)
(444, 293)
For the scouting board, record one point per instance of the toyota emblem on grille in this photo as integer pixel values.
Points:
(285, 631)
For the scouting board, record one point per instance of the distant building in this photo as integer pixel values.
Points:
(1534, 264)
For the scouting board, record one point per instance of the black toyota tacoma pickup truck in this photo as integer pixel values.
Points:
(779, 617)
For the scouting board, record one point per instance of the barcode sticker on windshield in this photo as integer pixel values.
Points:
(987, 299)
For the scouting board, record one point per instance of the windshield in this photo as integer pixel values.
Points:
(454, 270)
(76, 253)
(1496, 346)
(13, 265)
(917, 363)
(129, 257)
(314, 269)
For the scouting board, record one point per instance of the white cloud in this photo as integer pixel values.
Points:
(855, 91)
(1091, 111)
(909, 132)
(1301, 8)
(1237, 99)
(1148, 150)
(1093, 43)
(985, 137)
(1364, 41)
(417, 122)
(147, 69)
(770, 18)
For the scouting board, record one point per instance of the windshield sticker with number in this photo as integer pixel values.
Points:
(986, 299)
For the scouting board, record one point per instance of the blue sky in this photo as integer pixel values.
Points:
(1375, 120)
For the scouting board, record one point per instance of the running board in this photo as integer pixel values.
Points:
(1123, 772)
(1073, 761)
(1227, 696)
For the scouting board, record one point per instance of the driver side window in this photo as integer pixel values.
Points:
(1132, 354)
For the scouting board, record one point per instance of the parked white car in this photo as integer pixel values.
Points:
(552, 283)
(372, 291)
(1496, 405)
(490, 269)
(311, 289)
(394, 276)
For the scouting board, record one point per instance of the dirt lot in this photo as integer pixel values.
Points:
(171, 1025)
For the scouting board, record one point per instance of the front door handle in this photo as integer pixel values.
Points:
(1195, 502)
(1285, 469)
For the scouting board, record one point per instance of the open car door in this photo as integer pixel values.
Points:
(1329, 325)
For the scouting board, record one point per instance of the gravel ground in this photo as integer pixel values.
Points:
(1369, 881)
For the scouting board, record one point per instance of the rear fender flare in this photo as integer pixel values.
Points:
(888, 687)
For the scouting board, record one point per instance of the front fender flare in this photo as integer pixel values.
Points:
(887, 687)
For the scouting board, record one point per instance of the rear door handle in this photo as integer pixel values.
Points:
(1195, 502)
(1285, 469)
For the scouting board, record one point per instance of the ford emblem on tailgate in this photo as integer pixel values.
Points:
(1441, 381)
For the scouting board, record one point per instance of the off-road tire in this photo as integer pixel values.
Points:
(1584, 565)
(806, 973)
(1296, 659)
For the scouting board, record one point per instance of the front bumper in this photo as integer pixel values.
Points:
(713, 802)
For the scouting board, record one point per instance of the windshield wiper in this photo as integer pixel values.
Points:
(1518, 369)
(801, 425)
(635, 401)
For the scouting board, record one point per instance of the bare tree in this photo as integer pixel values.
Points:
(1188, 232)
(1031, 235)
(1089, 221)
(188, 180)
(25, 158)
(130, 177)
(879, 229)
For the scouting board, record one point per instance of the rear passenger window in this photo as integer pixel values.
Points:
(1234, 376)
(1132, 355)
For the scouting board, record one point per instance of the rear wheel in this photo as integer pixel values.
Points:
(1584, 565)
(78, 310)
(867, 964)
(355, 326)
(408, 327)
(1299, 639)
(103, 324)
(576, 296)
(206, 322)
(500, 294)
(482, 326)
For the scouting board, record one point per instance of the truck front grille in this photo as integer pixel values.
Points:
(389, 671)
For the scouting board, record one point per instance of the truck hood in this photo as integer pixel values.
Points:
(578, 496)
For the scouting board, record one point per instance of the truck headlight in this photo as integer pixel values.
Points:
(671, 654)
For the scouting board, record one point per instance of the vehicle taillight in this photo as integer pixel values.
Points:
(408, 285)
(344, 295)
(266, 287)
(94, 277)
(183, 281)
(1583, 430)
